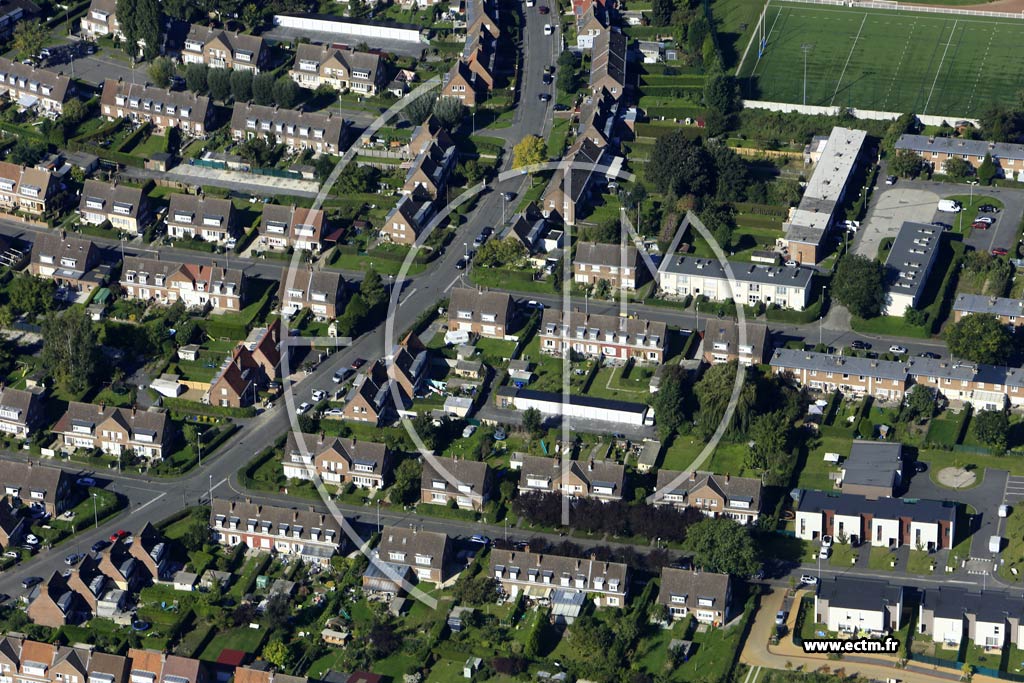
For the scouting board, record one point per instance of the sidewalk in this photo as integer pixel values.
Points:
(786, 656)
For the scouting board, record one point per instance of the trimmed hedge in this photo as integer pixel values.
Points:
(186, 406)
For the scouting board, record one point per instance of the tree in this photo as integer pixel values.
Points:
(261, 152)
(992, 427)
(263, 88)
(918, 404)
(720, 218)
(722, 93)
(241, 85)
(406, 488)
(195, 77)
(449, 111)
(980, 337)
(160, 71)
(73, 112)
(1001, 124)
(733, 176)
(324, 165)
(529, 151)
(372, 289)
(986, 170)
(417, 111)
(769, 436)
(31, 295)
(252, 16)
(29, 38)
(501, 253)
(70, 349)
(713, 393)
(859, 284)
(681, 166)
(669, 402)
(602, 289)
(219, 83)
(906, 164)
(351, 321)
(533, 422)
(661, 12)
(957, 168)
(276, 652)
(286, 92)
(27, 152)
(720, 544)
(140, 20)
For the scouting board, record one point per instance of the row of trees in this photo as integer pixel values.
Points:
(240, 85)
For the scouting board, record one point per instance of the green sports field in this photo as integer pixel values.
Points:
(886, 60)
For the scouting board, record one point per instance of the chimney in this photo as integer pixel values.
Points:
(248, 500)
(593, 557)
(693, 476)
(135, 409)
(321, 441)
(103, 407)
(590, 465)
(525, 550)
(726, 477)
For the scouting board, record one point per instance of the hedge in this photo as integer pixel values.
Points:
(186, 406)
(136, 135)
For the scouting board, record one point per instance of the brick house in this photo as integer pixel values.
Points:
(101, 20)
(885, 380)
(601, 480)
(611, 338)
(151, 550)
(13, 526)
(463, 84)
(298, 130)
(595, 262)
(608, 63)
(568, 191)
(20, 410)
(220, 49)
(428, 175)
(370, 399)
(425, 552)
(47, 488)
(115, 431)
(539, 575)
(1009, 311)
(29, 190)
(721, 342)
(337, 461)
(23, 84)
(321, 291)
(406, 220)
(292, 226)
(69, 261)
(466, 482)
(487, 314)
(191, 216)
(198, 286)
(54, 604)
(713, 495)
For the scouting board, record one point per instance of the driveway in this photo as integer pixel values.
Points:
(985, 498)
(894, 206)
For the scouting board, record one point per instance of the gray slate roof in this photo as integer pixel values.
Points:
(743, 272)
(996, 305)
(920, 510)
(846, 592)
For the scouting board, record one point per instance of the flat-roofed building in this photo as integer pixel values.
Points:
(908, 266)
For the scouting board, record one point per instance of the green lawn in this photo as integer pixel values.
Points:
(363, 262)
(241, 638)
(1013, 554)
(883, 60)
(920, 562)
(890, 325)
(842, 555)
(881, 559)
(681, 452)
(146, 148)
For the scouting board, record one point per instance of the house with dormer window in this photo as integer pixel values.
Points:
(115, 431)
(425, 552)
(323, 133)
(340, 69)
(163, 108)
(48, 489)
(466, 482)
(30, 87)
(541, 574)
(321, 291)
(599, 479)
(610, 338)
(20, 410)
(221, 49)
(484, 313)
(192, 216)
(337, 461)
(198, 286)
(706, 596)
(125, 208)
(307, 535)
(712, 495)
(292, 226)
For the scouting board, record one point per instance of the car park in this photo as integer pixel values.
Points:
(303, 408)
(897, 349)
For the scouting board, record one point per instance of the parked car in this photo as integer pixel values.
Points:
(118, 535)
(358, 363)
(334, 412)
(940, 224)
(560, 107)
(86, 481)
(544, 97)
(897, 349)
(920, 467)
(1004, 511)
(303, 408)
(1000, 251)
(929, 354)
(534, 304)
(30, 581)
(548, 29)
(319, 395)
(824, 553)
(546, 78)
(4, 597)
(859, 345)
(31, 540)
(809, 580)
(890, 180)
(988, 208)
(477, 538)
(543, 9)
(72, 559)
(985, 219)
(508, 196)
(780, 618)
(12, 554)
(468, 431)
(826, 541)
(980, 225)
(99, 545)
(792, 264)
(460, 264)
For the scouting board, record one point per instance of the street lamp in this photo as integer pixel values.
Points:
(95, 513)
(211, 491)
(821, 314)
(972, 184)
(378, 516)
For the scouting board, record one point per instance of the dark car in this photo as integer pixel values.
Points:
(543, 9)
(544, 97)
(920, 467)
(99, 545)
(358, 363)
(30, 581)
(988, 208)
(944, 226)
(4, 597)
(460, 264)
(929, 354)
(859, 345)
(560, 107)
(890, 180)
(547, 79)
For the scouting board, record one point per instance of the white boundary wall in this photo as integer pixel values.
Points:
(926, 119)
(910, 7)
(339, 26)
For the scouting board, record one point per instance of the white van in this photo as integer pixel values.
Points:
(995, 544)
(949, 206)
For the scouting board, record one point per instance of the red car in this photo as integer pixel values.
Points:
(118, 535)
(999, 251)
(543, 10)
(358, 363)
(980, 226)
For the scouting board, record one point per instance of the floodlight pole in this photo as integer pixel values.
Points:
(805, 48)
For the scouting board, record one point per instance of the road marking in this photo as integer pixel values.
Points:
(144, 505)
(407, 296)
(222, 481)
(452, 283)
(848, 58)
(939, 70)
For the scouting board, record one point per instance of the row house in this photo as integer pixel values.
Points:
(426, 553)
(601, 479)
(125, 208)
(29, 661)
(31, 87)
(150, 549)
(607, 337)
(162, 108)
(746, 284)
(1009, 311)
(706, 596)
(608, 63)
(591, 24)
(599, 113)
(885, 380)
(220, 49)
(1008, 157)
(298, 130)
(91, 584)
(197, 285)
(69, 261)
(371, 398)
(338, 68)
(48, 489)
(115, 431)
(722, 344)
(539, 575)
(882, 522)
(321, 291)
(569, 191)
(13, 525)
(406, 221)
(988, 619)
(483, 16)
(857, 606)
(192, 216)
(307, 535)
(482, 313)
(463, 84)
(409, 366)
(101, 21)
(984, 387)
(428, 175)
(480, 54)
(337, 461)
(713, 495)
(29, 190)
(620, 267)
(431, 130)
(52, 603)
(21, 411)
(466, 482)
(285, 227)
